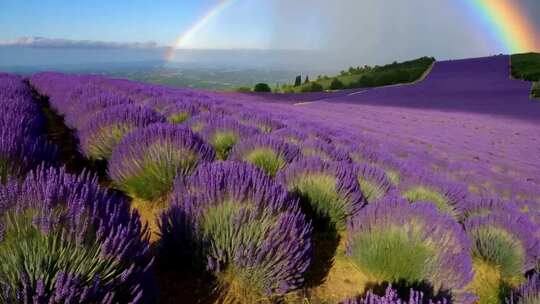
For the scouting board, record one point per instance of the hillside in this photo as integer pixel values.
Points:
(367, 76)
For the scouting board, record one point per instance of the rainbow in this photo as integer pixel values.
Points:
(197, 26)
(508, 24)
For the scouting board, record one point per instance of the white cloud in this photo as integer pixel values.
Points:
(41, 42)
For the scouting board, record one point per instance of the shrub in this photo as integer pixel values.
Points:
(244, 228)
(336, 84)
(505, 244)
(312, 87)
(180, 112)
(536, 90)
(268, 153)
(329, 190)
(373, 182)
(105, 130)
(243, 90)
(65, 240)
(224, 133)
(146, 161)
(262, 88)
(528, 292)
(290, 135)
(323, 150)
(396, 242)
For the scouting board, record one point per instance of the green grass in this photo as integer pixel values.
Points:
(157, 171)
(267, 160)
(178, 117)
(526, 66)
(390, 74)
(223, 142)
(319, 190)
(421, 193)
(499, 248)
(371, 191)
(392, 255)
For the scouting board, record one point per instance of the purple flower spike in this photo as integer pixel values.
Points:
(330, 189)
(146, 161)
(528, 292)
(244, 226)
(78, 116)
(265, 123)
(290, 135)
(391, 297)
(323, 150)
(66, 240)
(394, 241)
(105, 130)
(268, 153)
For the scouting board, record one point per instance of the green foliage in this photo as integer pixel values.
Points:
(6, 170)
(312, 87)
(367, 76)
(421, 193)
(102, 143)
(159, 169)
(44, 256)
(336, 85)
(500, 249)
(319, 191)
(243, 90)
(262, 88)
(266, 160)
(179, 117)
(392, 255)
(371, 191)
(526, 66)
(223, 142)
(536, 90)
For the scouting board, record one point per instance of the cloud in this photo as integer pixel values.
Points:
(41, 42)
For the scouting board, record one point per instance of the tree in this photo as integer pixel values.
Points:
(312, 87)
(307, 79)
(262, 88)
(336, 84)
(298, 81)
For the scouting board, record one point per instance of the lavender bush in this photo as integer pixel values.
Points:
(65, 240)
(243, 227)
(146, 161)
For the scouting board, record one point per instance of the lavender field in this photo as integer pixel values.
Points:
(114, 191)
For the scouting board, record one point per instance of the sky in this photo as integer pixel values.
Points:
(370, 31)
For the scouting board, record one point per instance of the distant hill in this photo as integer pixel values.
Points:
(367, 76)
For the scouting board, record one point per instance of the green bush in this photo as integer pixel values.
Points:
(336, 84)
(312, 87)
(536, 90)
(526, 66)
(262, 88)
(243, 90)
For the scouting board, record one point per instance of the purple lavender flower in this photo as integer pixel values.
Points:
(146, 161)
(323, 150)
(290, 135)
(330, 189)
(105, 130)
(268, 153)
(528, 292)
(79, 115)
(264, 122)
(246, 229)
(65, 240)
(391, 297)
(394, 241)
